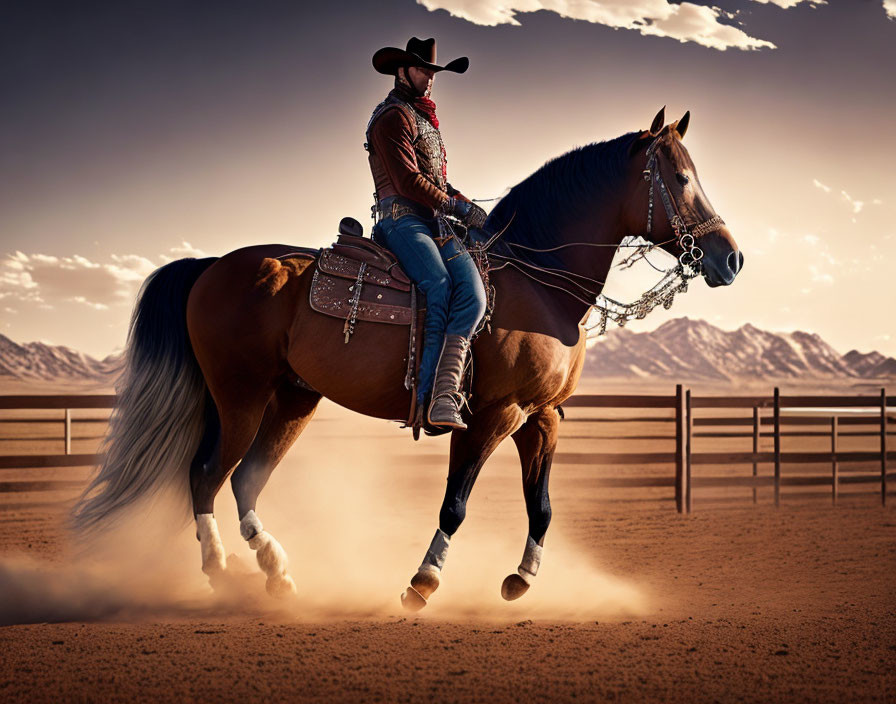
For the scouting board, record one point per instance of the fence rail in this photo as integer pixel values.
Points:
(780, 410)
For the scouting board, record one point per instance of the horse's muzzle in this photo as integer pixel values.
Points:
(722, 270)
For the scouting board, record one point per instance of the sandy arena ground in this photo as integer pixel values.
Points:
(634, 602)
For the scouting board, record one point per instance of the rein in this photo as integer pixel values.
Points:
(674, 280)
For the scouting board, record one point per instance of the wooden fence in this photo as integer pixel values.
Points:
(686, 419)
(843, 416)
(65, 403)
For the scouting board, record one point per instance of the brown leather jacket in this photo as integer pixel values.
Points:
(405, 155)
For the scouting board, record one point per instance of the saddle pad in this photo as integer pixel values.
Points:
(333, 295)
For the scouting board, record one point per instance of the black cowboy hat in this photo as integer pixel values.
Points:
(420, 53)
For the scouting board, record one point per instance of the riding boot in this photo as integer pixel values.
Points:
(444, 409)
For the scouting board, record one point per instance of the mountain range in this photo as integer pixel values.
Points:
(42, 362)
(681, 349)
(686, 349)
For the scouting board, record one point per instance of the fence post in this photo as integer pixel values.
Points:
(777, 447)
(835, 467)
(687, 453)
(755, 446)
(679, 449)
(68, 431)
(883, 447)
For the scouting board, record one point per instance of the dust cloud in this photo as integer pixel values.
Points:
(355, 515)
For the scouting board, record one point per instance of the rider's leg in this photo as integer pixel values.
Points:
(410, 239)
(467, 306)
(468, 299)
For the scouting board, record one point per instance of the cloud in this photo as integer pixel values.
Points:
(890, 8)
(685, 22)
(819, 276)
(787, 4)
(95, 306)
(50, 280)
(184, 250)
(857, 205)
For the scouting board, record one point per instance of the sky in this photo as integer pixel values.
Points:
(134, 133)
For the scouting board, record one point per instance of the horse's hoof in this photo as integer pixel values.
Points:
(425, 582)
(281, 586)
(412, 600)
(514, 587)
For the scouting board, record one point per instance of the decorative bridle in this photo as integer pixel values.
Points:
(685, 234)
(674, 280)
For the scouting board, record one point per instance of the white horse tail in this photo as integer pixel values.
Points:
(159, 418)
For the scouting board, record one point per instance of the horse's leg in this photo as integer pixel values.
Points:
(469, 450)
(536, 442)
(286, 416)
(239, 415)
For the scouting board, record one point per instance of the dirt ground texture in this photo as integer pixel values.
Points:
(634, 602)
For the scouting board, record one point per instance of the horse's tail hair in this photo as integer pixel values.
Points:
(159, 417)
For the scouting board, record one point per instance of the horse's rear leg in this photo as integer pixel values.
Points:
(536, 442)
(239, 417)
(286, 416)
(469, 450)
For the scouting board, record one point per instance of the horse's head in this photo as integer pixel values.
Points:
(670, 199)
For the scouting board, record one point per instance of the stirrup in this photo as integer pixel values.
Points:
(420, 423)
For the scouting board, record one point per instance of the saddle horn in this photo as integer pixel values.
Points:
(351, 227)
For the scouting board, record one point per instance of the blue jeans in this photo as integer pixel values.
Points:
(455, 297)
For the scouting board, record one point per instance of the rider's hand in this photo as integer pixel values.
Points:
(466, 211)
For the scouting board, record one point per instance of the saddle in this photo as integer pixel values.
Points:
(357, 279)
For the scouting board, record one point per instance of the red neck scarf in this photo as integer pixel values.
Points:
(425, 106)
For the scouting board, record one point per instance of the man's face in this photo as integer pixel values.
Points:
(422, 79)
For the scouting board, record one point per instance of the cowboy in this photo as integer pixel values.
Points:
(407, 160)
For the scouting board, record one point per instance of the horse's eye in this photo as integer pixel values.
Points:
(682, 178)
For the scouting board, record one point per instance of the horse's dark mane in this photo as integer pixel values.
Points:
(561, 190)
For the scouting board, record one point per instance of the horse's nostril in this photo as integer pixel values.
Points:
(735, 261)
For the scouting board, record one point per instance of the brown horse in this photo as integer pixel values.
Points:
(226, 361)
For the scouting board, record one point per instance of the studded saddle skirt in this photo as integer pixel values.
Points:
(357, 279)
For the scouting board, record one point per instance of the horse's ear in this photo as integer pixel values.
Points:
(682, 125)
(658, 121)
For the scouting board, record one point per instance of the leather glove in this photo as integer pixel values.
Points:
(468, 213)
